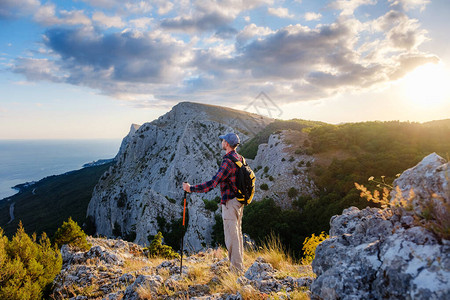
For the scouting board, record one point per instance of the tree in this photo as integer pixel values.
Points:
(157, 249)
(27, 268)
(70, 233)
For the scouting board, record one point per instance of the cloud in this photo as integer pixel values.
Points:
(141, 23)
(312, 16)
(280, 12)
(347, 7)
(215, 60)
(107, 21)
(250, 31)
(46, 15)
(38, 69)
(203, 16)
(11, 9)
(410, 4)
(198, 22)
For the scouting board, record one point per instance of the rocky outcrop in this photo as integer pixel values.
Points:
(116, 269)
(389, 254)
(281, 171)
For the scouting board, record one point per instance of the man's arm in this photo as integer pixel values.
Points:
(223, 173)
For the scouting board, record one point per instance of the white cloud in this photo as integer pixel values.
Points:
(347, 7)
(164, 6)
(281, 12)
(47, 15)
(38, 69)
(107, 21)
(312, 16)
(138, 7)
(208, 15)
(251, 31)
(410, 4)
(141, 23)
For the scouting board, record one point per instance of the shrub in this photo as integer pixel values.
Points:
(292, 192)
(271, 178)
(211, 204)
(429, 217)
(266, 169)
(157, 249)
(27, 268)
(295, 171)
(70, 233)
(299, 151)
(264, 187)
(309, 246)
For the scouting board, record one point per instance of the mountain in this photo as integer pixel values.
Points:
(141, 194)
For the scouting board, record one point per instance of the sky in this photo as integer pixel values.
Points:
(88, 69)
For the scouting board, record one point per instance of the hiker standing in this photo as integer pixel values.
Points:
(232, 209)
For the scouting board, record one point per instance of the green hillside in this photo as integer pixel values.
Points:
(44, 206)
(345, 154)
(250, 148)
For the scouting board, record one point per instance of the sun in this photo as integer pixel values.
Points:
(428, 85)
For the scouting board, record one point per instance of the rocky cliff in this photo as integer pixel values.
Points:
(401, 252)
(142, 192)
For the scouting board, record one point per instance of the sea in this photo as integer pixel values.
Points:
(24, 161)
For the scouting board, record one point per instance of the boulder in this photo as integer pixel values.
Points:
(388, 254)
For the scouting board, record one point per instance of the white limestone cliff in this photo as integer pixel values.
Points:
(144, 186)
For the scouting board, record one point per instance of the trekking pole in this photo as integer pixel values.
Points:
(182, 235)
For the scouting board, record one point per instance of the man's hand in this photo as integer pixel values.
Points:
(186, 187)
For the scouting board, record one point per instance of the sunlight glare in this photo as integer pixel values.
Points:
(428, 85)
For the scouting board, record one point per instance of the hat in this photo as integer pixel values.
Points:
(231, 138)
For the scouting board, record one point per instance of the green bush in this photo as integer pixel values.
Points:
(292, 192)
(70, 233)
(211, 205)
(157, 249)
(27, 268)
(264, 187)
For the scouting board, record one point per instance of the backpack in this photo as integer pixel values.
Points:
(245, 181)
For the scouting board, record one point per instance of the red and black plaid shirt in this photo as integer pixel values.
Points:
(226, 176)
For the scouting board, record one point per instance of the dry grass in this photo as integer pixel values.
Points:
(135, 264)
(273, 252)
(228, 283)
(145, 292)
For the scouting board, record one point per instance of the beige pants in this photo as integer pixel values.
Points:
(232, 213)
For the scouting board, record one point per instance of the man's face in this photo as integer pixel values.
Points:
(224, 145)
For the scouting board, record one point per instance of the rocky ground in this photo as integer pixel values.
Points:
(401, 252)
(116, 269)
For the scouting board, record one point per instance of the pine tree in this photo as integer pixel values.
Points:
(70, 233)
(27, 268)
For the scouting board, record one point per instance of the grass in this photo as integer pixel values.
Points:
(222, 280)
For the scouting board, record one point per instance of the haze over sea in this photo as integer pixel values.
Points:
(31, 160)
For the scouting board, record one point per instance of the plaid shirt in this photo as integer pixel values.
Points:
(226, 176)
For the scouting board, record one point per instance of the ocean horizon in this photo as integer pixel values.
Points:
(24, 161)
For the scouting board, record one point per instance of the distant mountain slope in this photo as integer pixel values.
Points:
(45, 205)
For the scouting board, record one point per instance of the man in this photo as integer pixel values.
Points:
(232, 210)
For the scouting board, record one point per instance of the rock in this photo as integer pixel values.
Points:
(374, 254)
(149, 283)
(260, 270)
(429, 180)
